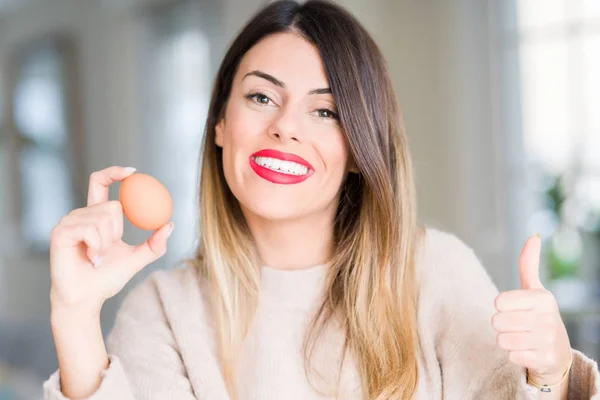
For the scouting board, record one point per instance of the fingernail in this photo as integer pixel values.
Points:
(129, 170)
(97, 261)
(170, 229)
(538, 235)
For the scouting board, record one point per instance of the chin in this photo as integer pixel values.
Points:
(273, 209)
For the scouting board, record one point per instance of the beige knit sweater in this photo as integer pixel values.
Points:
(163, 343)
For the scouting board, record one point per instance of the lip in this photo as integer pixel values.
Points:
(279, 177)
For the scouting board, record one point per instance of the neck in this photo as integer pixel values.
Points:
(292, 244)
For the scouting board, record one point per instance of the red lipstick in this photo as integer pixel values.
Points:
(280, 177)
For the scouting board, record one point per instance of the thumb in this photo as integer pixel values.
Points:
(153, 248)
(529, 264)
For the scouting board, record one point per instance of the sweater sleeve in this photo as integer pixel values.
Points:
(472, 365)
(114, 384)
(144, 360)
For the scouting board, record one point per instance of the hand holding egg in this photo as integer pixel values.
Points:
(89, 262)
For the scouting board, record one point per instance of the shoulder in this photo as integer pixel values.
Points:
(456, 294)
(440, 245)
(445, 262)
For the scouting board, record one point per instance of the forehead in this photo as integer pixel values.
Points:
(289, 58)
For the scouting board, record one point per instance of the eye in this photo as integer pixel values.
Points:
(259, 98)
(326, 113)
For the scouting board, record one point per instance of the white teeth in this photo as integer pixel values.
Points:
(288, 167)
(275, 164)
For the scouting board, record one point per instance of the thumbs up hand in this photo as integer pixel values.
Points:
(529, 324)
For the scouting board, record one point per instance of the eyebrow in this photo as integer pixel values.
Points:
(279, 83)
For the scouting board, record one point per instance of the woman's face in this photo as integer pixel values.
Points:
(284, 153)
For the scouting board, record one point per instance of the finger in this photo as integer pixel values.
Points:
(525, 358)
(105, 226)
(115, 210)
(109, 213)
(73, 235)
(540, 300)
(112, 211)
(514, 321)
(517, 341)
(529, 264)
(154, 248)
(515, 300)
(101, 180)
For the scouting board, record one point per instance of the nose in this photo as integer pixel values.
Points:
(285, 126)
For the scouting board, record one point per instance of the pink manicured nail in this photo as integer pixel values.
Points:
(129, 170)
(170, 229)
(97, 261)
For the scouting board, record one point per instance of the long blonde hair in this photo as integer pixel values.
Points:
(372, 288)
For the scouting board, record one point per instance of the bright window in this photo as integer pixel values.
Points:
(43, 140)
(559, 45)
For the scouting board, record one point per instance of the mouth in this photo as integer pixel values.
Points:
(279, 167)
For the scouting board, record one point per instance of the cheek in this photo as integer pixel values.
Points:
(334, 155)
(241, 133)
(334, 152)
(243, 126)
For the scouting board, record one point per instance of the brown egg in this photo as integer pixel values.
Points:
(146, 202)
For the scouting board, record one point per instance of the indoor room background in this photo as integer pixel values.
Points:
(501, 101)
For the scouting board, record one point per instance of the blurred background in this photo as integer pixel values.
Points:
(501, 100)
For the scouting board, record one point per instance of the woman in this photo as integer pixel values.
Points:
(313, 279)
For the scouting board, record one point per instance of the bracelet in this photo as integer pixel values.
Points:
(548, 388)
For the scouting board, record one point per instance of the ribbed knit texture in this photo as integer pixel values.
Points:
(163, 343)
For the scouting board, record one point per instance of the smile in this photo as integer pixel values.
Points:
(279, 167)
(285, 167)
